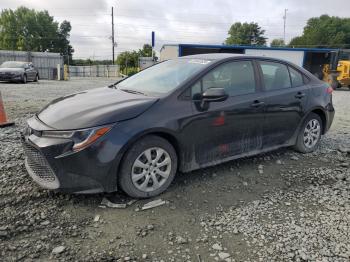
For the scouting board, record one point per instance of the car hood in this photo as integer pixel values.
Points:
(94, 108)
(11, 70)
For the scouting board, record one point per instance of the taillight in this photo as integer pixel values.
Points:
(329, 90)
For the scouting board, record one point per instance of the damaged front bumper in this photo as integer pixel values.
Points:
(51, 163)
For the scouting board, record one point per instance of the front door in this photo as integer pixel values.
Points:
(30, 72)
(221, 130)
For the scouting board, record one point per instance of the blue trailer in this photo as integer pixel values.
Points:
(312, 59)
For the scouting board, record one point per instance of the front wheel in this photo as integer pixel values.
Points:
(24, 80)
(148, 167)
(36, 79)
(310, 134)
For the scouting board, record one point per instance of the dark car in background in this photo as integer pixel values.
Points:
(15, 71)
(178, 115)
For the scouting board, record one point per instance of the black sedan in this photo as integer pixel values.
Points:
(178, 115)
(14, 71)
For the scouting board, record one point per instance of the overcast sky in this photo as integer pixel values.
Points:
(175, 21)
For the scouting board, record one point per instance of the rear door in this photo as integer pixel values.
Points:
(228, 128)
(285, 97)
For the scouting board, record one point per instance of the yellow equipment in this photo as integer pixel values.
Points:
(337, 73)
(344, 73)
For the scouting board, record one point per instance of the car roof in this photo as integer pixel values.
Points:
(19, 62)
(212, 56)
(222, 56)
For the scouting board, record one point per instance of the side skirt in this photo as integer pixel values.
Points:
(191, 166)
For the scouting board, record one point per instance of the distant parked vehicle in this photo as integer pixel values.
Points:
(15, 71)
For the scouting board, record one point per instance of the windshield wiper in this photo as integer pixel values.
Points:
(114, 85)
(133, 91)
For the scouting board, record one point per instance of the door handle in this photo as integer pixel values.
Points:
(257, 103)
(299, 95)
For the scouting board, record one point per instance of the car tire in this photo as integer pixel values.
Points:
(140, 164)
(24, 79)
(36, 79)
(309, 134)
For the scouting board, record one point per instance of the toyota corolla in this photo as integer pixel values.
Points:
(176, 116)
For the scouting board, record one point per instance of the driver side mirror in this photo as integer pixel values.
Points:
(214, 94)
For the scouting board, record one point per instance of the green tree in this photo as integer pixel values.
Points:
(324, 31)
(130, 59)
(246, 34)
(146, 51)
(62, 44)
(29, 30)
(277, 42)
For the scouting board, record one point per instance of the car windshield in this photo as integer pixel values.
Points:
(12, 65)
(163, 77)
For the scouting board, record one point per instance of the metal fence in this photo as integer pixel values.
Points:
(46, 63)
(145, 62)
(94, 71)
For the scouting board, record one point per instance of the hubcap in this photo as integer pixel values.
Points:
(312, 133)
(151, 169)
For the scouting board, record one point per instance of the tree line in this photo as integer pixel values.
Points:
(26, 29)
(320, 32)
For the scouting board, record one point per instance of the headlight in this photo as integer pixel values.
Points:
(57, 134)
(81, 138)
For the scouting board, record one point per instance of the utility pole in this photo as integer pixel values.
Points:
(284, 25)
(67, 62)
(112, 37)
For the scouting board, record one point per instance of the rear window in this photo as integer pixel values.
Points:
(296, 77)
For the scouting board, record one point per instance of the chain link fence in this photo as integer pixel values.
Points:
(94, 71)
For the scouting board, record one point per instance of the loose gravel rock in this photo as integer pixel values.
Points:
(280, 206)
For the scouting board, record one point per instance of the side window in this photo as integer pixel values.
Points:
(296, 77)
(237, 78)
(197, 90)
(275, 75)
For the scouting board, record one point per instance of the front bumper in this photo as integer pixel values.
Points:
(10, 77)
(52, 165)
(345, 81)
(39, 169)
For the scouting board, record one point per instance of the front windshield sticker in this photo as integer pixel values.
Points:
(199, 61)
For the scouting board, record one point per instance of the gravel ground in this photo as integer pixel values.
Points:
(280, 206)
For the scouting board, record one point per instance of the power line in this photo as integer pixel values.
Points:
(112, 37)
(284, 25)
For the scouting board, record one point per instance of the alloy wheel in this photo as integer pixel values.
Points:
(312, 133)
(151, 169)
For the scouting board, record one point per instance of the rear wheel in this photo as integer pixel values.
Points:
(148, 167)
(310, 134)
